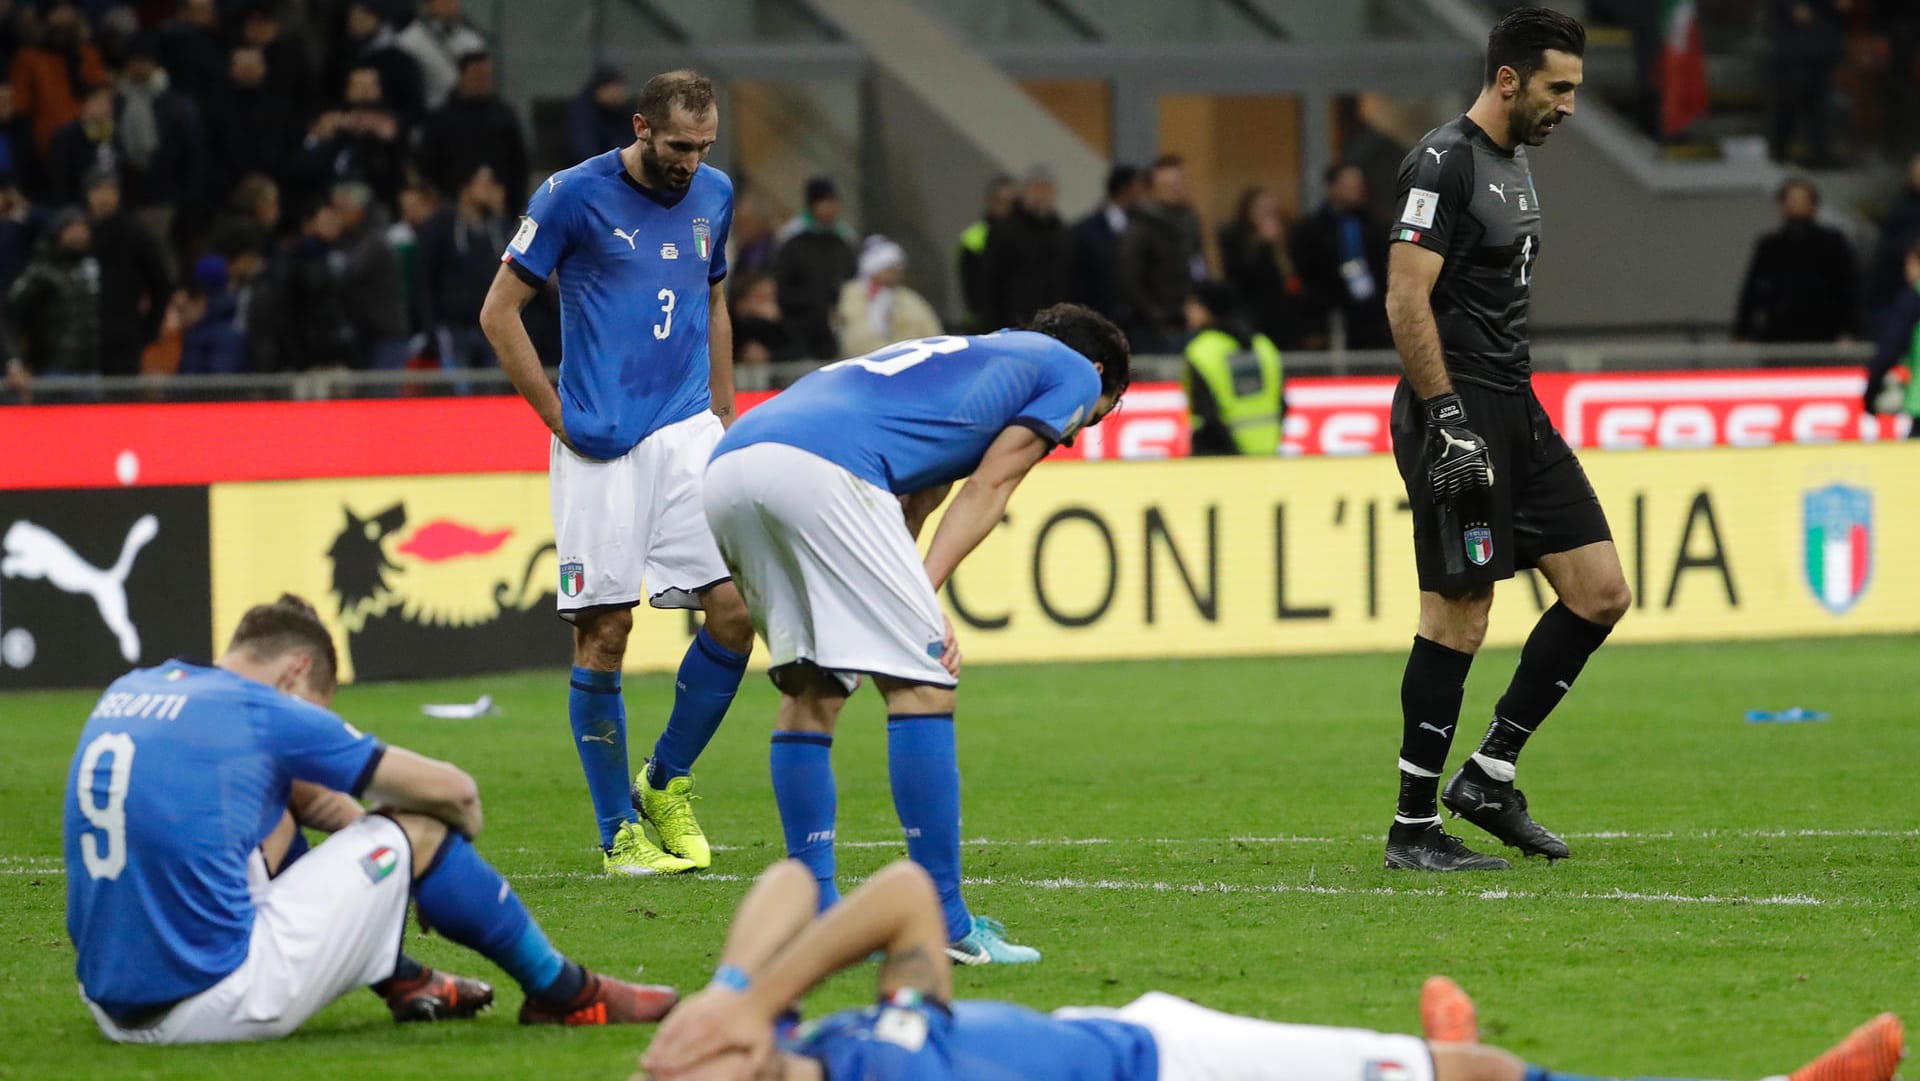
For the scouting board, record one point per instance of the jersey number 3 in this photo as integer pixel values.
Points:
(109, 818)
(900, 356)
(661, 330)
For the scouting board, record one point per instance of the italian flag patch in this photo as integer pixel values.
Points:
(1412, 236)
(379, 863)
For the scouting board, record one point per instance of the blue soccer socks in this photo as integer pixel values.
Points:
(708, 678)
(599, 718)
(924, 767)
(464, 898)
(802, 767)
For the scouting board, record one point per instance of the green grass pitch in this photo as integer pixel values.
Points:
(1740, 895)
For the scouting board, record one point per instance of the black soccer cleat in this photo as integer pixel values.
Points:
(1500, 809)
(1424, 846)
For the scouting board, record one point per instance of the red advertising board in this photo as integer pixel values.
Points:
(104, 446)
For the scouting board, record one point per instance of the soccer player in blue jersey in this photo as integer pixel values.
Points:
(194, 925)
(816, 499)
(636, 239)
(741, 1027)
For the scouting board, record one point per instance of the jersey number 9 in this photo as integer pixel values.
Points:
(110, 819)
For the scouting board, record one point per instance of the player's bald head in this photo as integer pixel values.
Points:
(682, 89)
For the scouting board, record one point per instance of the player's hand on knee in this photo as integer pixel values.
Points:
(950, 649)
(1458, 461)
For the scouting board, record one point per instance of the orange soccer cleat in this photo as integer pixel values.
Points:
(1447, 1014)
(1869, 1053)
(437, 996)
(604, 1001)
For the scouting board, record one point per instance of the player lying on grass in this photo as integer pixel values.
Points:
(816, 499)
(777, 950)
(177, 813)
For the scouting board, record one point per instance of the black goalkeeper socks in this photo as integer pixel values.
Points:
(1430, 694)
(1551, 660)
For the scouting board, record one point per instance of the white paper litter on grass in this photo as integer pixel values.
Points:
(462, 711)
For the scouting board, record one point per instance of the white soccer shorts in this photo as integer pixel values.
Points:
(826, 566)
(635, 521)
(1198, 1044)
(328, 925)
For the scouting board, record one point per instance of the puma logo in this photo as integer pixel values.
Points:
(1498, 189)
(1487, 805)
(553, 182)
(1452, 442)
(1437, 154)
(628, 237)
(33, 551)
(1444, 733)
(1563, 684)
(591, 738)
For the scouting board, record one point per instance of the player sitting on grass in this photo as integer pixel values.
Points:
(177, 812)
(816, 498)
(777, 951)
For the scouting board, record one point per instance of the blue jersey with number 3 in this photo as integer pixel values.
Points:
(922, 413)
(635, 267)
(181, 772)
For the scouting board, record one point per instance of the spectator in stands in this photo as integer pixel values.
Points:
(1801, 285)
(474, 128)
(752, 235)
(600, 117)
(370, 280)
(970, 253)
(419, 203)
(371, 42)
(360, 142)
(1096, 244)
(1899, 230)
(759, 336)
(1809, 40)
(256, 276)
(134, 282)
(1232, 378)
(1029, 263)
(191, 47)
(51, 75)
(1161, 258)
(1898, 346)
(1253, 252)
(1342, 255)
(309, 309)
(17, 155)
(162, 138)
(255, 203)
(438, 39)
(83, 147)
(54, 307)
(289, 68)
(810, 267)
(214, 341)
(21, 224)
(254, 127)
(460, 250)
(877, 308)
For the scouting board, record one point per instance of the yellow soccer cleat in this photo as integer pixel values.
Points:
(671, 812)
(634, 854)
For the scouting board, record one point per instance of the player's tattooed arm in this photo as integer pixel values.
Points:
(720, 353)
(1411, 273)
(500, 322)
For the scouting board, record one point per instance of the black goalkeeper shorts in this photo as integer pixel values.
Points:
(1541, 501)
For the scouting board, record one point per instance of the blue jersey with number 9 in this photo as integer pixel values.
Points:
(181, 773)
(922, 413)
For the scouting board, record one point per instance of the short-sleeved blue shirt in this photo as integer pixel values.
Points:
(635, 267)
(181, 772)
(922, 413)
(975, 1041)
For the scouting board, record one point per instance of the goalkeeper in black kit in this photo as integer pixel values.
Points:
(1492, 485)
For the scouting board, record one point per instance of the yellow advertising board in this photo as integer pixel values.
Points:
(1124, 560)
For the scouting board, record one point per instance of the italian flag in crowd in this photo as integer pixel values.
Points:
(1683, 66)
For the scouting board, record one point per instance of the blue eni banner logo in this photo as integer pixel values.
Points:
(1838, 523)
